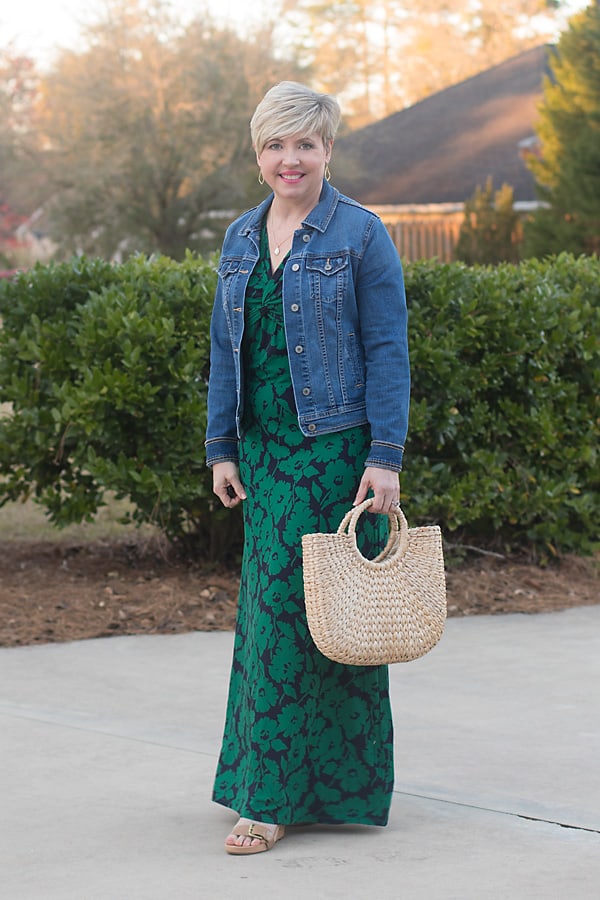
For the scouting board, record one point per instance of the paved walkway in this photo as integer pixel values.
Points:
(108, 748)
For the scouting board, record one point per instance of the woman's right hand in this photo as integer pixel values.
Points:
(227, 485)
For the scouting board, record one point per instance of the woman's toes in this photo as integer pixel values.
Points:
(240, 840)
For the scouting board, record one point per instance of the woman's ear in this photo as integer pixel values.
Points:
(328, 149)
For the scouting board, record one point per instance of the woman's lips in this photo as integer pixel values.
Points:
(291, 176)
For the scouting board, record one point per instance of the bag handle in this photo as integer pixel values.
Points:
(398, 537)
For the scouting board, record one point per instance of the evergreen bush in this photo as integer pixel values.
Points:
(491, 231)
(105, 367)
(505, 421)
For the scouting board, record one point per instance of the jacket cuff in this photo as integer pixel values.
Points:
(221, 450)
(385, 456)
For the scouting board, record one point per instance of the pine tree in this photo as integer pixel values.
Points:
(490, 232)
(567, 170)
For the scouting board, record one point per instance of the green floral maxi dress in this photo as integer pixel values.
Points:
(306, 739)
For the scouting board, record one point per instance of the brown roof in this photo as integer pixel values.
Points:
(442, 148)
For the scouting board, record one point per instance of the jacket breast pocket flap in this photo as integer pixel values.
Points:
(327, 265)
(228, 267)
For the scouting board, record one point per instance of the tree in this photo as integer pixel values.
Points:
(567, 170)
(491, 229)
(19, 152)
(147, 130)
(382, 56)
(18, 142)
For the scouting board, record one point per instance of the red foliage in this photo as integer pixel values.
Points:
(9, 240)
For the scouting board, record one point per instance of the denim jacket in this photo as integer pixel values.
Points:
(345, 325)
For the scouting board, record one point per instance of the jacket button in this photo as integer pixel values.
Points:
(306, 391)
(295, 267)
(299, 348)
(312, 427)
(294, 307)
(306, 238)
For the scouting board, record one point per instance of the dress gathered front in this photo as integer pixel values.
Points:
(306, 740)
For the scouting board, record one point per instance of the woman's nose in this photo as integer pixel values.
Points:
(291, 158)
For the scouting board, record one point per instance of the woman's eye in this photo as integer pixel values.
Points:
(306, 146)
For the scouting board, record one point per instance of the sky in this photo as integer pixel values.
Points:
(39, 26)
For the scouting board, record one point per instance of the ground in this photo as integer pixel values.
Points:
(53, 591)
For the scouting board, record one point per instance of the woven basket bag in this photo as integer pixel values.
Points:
(366, 612)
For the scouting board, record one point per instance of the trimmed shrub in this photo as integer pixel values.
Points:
(105, 367)
(504, 427)
(105, 370)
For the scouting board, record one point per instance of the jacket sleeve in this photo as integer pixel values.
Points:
(385, 345)
(221, 433)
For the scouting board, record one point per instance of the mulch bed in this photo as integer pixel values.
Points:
(53, 591)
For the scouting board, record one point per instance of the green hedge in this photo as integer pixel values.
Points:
(503, 439)
(105, 369)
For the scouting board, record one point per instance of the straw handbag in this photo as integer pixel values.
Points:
(369, 612)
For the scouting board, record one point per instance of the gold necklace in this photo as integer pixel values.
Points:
(278, 244)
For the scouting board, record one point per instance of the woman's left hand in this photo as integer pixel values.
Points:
(385, 485)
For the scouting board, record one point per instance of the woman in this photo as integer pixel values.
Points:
(307, 413)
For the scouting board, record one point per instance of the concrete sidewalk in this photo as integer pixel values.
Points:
(108, 749)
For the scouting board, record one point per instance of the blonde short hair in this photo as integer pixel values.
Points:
(291, 108)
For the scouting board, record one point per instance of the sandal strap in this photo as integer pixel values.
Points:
(259, 830)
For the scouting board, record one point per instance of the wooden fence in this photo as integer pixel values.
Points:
(423, 232)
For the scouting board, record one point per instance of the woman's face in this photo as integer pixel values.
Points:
(293, 166)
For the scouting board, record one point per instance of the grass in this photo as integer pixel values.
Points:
(28, 521)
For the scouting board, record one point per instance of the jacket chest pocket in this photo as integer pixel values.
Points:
(327, 277)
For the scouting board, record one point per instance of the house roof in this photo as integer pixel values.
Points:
(442, 148)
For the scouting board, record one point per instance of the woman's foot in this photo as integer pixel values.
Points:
(252, 837)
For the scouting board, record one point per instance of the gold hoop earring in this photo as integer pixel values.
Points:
(261, 178)
(327, 173)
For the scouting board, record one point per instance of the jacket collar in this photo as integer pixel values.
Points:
(318, 218)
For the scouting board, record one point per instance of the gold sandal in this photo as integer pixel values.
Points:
(267, 834)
